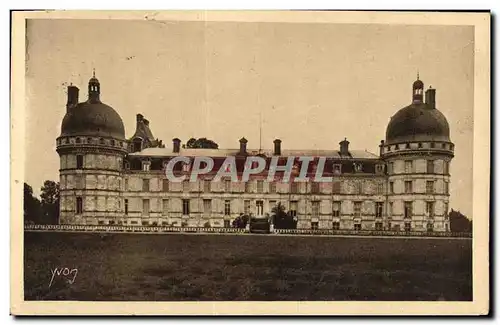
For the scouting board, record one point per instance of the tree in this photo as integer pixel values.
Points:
(50, 202)
(282, 219)
(201, 143)
(32, 210)
(459, 222)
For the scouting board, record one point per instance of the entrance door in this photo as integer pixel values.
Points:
(260, 207)
(145, 207)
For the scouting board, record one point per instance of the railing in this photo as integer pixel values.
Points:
(220, 230)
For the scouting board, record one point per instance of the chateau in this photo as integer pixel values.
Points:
(106, 178)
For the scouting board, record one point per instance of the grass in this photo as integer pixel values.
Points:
(138, 267)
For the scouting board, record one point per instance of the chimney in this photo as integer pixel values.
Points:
(177, 145)
(344, 147)
(277, 147)
(243, 146)
(430, 97)
(382, 143)
(72, 97)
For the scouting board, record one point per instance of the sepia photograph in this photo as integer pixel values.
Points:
(250, 162)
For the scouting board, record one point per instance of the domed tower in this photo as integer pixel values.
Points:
(91, 148)
(418, 151)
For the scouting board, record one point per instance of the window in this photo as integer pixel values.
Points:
(446, 188)
(378, 226)
(227, 185)
(227, 207)
(391, 204)
(446, 210)
(260, 207)
(408, 166)
(113, 142)
(379, 168)
(145, 185)
(359, 187)
(408, 210)
(145, 223)
(293, 208)
(145, 207)
(206, 186)
(100, 222)
(126, 184)
(126, 206)
(408, 186)
(111, 222)
(146, 166)
(78, 140)
(379, 209)
(185, 186)
(314, 225)
(430, 227)
(79, 161)
(227, 224)
(165, 207)
(294, 187)
(185, 207)
(391, 187)
(336, 209)
(337, 169)
(430, 166)
(357, 209)
(429, 209)
(407, 226)
(357, 226)
(247, 187)
(165, 185)
(315, 187)
(272, 187)
(433, 144)
(446, 167)
(336, 187)
(246, 207)
(260, 186)
(336, 225)
(89, 140)
(429, 187)
(186, 167)
(207, 207)
(101, 141)
(79, 205)
(380, 188)
(390, 168)
(315, 208)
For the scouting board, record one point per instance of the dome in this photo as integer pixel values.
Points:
(93, 118)
(418, 122)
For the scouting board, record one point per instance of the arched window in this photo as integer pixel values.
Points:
(112, 142)
(101, 141)
(78, 140)
(89, 140)
(137, 145)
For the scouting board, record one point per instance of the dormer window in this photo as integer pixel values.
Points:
(407, 146)
(358, 167)
(379, 168)
(186, 167)
(89, 140)
(337, 169)
(112, 142)
(101, 141)
(78, 140)
(146, 165)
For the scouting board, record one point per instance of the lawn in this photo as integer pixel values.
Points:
(139, 267)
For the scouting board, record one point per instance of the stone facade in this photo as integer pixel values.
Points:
(107, 179)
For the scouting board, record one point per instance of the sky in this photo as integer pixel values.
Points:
(311, 84)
